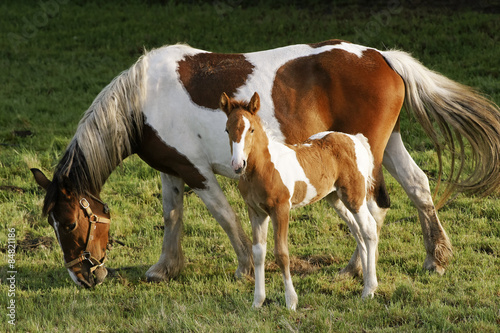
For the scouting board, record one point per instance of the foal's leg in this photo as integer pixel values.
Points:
(171, 260)
(219, 207)
(399, 163)
(368, 230)
(260, 222)
(379, 206)
(280, 217)
(354, 267)
(363, 227)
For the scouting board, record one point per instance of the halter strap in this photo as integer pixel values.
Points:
(93, 219)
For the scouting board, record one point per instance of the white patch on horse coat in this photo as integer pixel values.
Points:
(286, 163)
(239, 156)
(178, 121)
(259, 255)
(351, 48)
(364, 158)
(74, 278)
(319, 135)
(55, 224)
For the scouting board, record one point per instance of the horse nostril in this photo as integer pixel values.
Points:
(244, 163)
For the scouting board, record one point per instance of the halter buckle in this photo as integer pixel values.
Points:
(84, 203)
(87, 256)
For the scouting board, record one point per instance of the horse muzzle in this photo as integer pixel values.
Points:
(89, 277)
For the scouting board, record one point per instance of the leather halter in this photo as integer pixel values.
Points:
(93, 219)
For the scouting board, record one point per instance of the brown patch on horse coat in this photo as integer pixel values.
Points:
(207, 75)
(337, 91)
(167, 159)
(327, 42)
(299, 192)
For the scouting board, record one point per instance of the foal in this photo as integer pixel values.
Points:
(276, 177)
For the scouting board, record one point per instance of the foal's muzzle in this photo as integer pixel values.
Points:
(239, 169)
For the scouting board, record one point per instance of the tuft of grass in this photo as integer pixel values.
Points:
(55, 61)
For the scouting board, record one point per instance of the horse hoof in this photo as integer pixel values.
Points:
(242, 273)
(431, 265)
(435, 268)
(158, 275)
(350, 272)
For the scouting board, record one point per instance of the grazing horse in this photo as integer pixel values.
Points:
(275, 177)
(165, 108)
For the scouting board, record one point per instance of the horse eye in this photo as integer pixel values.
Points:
(252, 130)
(70, 227)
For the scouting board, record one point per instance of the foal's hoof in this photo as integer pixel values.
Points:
(369, 295)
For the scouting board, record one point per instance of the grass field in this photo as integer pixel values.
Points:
(55, 57)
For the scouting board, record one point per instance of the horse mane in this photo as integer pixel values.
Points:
(105, 135)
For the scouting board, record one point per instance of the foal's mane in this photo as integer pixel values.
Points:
(105, 135)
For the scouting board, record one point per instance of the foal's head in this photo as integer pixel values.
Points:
(241, 124)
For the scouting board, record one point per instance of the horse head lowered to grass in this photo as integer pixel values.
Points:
(165, 109)
(275, 177)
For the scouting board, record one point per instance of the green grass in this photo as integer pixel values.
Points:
(51, 69)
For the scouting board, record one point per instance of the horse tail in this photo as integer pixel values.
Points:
(450, 111)
(109, 129)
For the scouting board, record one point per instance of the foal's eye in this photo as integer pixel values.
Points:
(252, 130)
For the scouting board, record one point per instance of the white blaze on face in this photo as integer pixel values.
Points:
(55, 224)
(238, 160)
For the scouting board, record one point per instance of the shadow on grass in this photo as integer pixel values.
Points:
(44, 277)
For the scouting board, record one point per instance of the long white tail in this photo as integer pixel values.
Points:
(449, 111)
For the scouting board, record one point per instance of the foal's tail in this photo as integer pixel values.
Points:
(450, 111)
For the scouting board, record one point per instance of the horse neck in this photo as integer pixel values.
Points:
(81, 168)
(259, 159)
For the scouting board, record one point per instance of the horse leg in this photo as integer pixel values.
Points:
(401, 166)
(364, 229)
(260, 222)
(171, 259)
(219, 207)
(378, 209)
(280, 217)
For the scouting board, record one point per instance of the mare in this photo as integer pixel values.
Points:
(165, 109)
(275, 177)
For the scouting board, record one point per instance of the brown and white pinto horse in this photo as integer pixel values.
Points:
(275, 177)
(165, 109)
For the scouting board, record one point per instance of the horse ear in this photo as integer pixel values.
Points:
(254, 104)
(225, 104)
(66, 187)
(40, 178)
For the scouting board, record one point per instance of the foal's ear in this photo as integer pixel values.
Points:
(40, 178)
(225, 104)
(254, 104)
